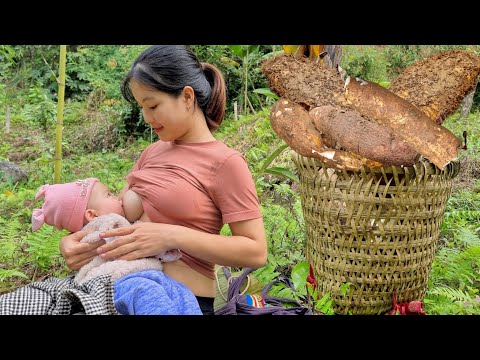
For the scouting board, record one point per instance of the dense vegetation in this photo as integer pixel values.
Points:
(104, 135)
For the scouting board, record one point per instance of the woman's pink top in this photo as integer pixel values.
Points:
(198, 185)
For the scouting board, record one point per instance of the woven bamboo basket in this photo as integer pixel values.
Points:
(375, 230)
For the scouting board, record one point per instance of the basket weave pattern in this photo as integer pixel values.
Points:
(376, 229)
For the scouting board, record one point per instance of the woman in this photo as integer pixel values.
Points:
(189, 183)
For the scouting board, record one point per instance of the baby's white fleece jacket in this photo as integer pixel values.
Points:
(116, 268)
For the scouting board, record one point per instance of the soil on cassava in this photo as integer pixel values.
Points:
(299, 80)
(437, 85)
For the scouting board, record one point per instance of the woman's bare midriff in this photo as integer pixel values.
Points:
(200, 284)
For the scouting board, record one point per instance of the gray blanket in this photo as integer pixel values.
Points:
(55, 296)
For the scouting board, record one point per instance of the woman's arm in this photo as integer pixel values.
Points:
(246, 247)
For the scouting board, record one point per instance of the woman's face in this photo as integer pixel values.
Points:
(167, 115)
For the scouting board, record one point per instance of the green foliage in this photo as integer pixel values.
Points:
(100, 68)
(230, 61)
(15, 203)
(365, 62)
(299, 275)
(37, 64)
(277, 170)
(11, 260)
(266, 273)
(41, 108)
(8, 274)
(285, 234)
(462, 216)
(470, 124)
(10, 245)
(454, 280)
(398, 57)
(8, 278)
(44, 247)
(7, 56)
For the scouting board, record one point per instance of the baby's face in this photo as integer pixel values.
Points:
(103, 202)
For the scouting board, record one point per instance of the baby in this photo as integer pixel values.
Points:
(88, 204)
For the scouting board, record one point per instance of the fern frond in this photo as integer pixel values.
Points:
(467, 237)
(9, 238)
(44, 246)
(449, 293)
(9, 273)
(454, 267)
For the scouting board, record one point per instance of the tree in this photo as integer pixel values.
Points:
(60, 102)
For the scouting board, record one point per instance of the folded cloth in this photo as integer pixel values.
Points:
(56, 296)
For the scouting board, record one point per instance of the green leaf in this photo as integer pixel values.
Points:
(269, 160)
(284, 172)
(238, 50)
(253, 48)
(266, 92)
(6, 273)
(299, 275)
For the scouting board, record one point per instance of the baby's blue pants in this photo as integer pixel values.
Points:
(151, 292)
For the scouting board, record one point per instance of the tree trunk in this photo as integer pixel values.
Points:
(60, 102)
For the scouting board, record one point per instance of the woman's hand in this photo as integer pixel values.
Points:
(77, 254)
(138, 241)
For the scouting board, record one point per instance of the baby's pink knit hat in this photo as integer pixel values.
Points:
(64, 205)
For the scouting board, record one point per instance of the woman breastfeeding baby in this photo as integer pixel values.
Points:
(190, 184)
(140, 286)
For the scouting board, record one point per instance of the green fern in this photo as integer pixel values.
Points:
(467, 238)
(44, 246)
(439, 305)
(9, 273)
(454, 267)
(457, 219)
(450, 293)
(454, 279)
(9, 239)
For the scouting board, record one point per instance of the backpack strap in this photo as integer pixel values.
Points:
(235, 283)
(230, 279)
(237, 304)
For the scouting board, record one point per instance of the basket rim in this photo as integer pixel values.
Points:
(422, 166)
